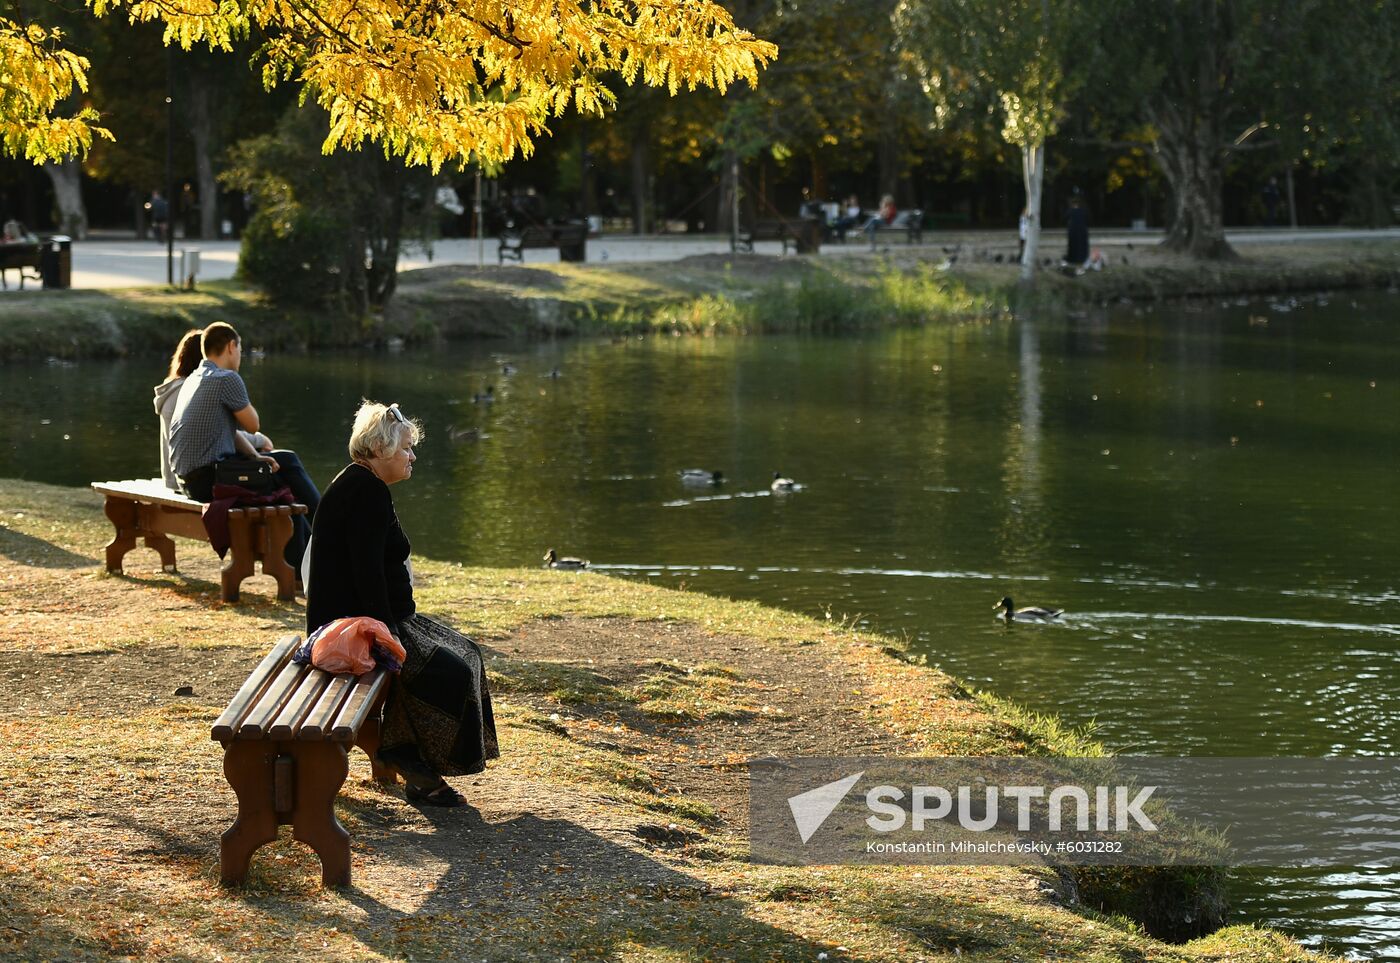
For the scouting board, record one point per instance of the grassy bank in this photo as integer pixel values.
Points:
(709, 294)
(613, 826)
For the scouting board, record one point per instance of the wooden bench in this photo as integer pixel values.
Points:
(804, 236)
(570, 239)
(19, 256)
(286, 735)
(144, 508)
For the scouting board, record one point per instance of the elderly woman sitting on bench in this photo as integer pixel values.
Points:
(437, 720)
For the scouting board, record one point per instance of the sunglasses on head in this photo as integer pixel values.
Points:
(392, 412)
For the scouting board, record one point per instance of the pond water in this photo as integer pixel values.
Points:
(1210, 491)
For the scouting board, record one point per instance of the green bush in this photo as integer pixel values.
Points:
(294, 254)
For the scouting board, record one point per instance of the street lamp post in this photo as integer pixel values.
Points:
(170, 166)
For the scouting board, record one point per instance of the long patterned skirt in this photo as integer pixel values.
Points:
(438, 714)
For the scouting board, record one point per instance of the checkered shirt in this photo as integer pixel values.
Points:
(202, 426)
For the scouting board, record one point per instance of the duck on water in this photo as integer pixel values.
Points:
(566, 563)
(1007, 610)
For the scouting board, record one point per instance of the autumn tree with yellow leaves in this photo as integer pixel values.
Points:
(432, 82)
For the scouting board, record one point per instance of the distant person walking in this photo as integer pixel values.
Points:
(1077, 221)
(1271, 196)
(160, 215)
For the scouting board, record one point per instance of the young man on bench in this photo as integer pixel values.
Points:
(213, 403)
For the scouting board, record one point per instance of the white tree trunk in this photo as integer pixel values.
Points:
(1033, 170)
(67, 178)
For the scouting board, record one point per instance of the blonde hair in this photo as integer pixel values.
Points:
(379, 429)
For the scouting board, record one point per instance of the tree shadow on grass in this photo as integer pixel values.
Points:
(467, 887)
(28, 550)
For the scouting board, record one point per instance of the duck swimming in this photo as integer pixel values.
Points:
(699, 476)
(782, 484)
(566, 564)
(1033, 613)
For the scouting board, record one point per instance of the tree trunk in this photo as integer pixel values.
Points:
(818, 180)
(887, 155)
(67, 178)
(641, 183)
(386, 235)
(727, 199)
(588, 178)
(201, 120)
(1189, 154)
(1033, 170)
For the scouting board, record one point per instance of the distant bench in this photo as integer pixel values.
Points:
(911, 222)
(18, 256)
(804, 235)
(570, 239)
(145, 508)
(286, 735)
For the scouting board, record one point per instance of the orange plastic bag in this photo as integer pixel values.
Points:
(344, 645)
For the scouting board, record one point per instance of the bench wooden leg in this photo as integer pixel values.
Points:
(369, 742)
(123, 514)
(321, 771)
(238, 565)
(276, 531)
(164, 545)
(317, 771)
(248, 768)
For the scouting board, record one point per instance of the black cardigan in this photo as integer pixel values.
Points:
(358, 553)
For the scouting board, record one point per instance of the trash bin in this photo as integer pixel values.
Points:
(56, 261)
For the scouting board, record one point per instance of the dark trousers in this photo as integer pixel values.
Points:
(199, 485)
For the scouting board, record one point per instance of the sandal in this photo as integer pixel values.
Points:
(440, 795)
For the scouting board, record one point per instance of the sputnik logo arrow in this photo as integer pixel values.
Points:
(810, 809)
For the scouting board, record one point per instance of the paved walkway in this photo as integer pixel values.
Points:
(114, 263)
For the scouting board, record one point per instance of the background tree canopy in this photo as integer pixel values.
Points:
(1176, 113)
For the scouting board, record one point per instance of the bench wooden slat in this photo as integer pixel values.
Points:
(318, 722)
(299, 705)
(266, 708)
(357, 706)
(151, 490)
(252, 688)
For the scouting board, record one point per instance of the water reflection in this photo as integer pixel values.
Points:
(1212, 500)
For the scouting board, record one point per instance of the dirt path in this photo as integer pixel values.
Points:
(813, 706)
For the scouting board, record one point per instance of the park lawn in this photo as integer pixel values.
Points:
(612, 828)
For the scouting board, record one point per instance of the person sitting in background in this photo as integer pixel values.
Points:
(438, 719)
(883, 218)
(186, 358)
(849, 216)
(211, 406)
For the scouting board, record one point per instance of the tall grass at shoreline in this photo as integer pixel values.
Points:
(822, 302)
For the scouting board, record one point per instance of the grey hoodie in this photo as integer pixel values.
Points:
(165, 407)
